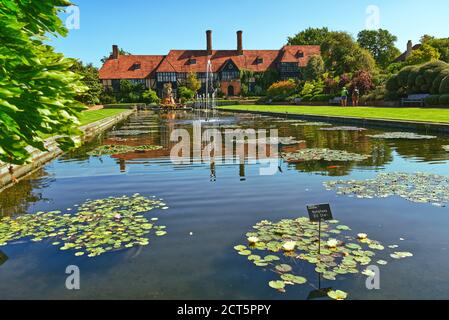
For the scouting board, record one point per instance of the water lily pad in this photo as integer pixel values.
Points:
(278, 285)
(284, 268)
(120, 149)
(417, 187)
(337, 295)
(402, 135)
(323, 154)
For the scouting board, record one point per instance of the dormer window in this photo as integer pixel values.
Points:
(259, 60)
(300, 54)
(136, 66)
(192, 61)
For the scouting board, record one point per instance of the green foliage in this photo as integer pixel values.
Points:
(90, 79)
(381, 44)
(444, 86)
(186, 94)
(425, 78)
(343, 55)
(433, 100)
(108, 97)
(37, 88)
(444, 100)
(312, 88)
(150, 96)
(442, 45)
(424, 54)
(310, 36)
(193, 83)
(322, 97)
(315, 68)
(130, 92)
(437, 82)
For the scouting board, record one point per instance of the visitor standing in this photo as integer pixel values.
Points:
(355, 97)
(344, 97)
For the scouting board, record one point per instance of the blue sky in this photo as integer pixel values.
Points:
(156, 26)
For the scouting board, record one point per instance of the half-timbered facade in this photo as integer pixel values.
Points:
(226, 65)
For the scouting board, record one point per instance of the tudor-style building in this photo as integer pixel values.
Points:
(156, 70)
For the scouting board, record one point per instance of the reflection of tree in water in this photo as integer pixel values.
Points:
(350, 141)
(426, 150)
(17, 199)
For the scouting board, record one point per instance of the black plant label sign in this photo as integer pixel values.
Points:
(320, 212)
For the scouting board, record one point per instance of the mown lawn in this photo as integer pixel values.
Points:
(92, 116)
(412, 114)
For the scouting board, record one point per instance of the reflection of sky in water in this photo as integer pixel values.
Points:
(219, 204)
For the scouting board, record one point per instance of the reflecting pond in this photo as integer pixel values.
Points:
(213, 207)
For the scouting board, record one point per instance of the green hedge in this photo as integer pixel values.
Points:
(444, 100)
(426, 78)
(444, 86)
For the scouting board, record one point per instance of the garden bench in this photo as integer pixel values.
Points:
(335, 101)
(415, 98)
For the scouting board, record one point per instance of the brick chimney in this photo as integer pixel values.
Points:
(115, 52)
(409, 48)
(240, 42)
(209, 41)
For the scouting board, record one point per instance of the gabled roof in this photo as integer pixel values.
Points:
(178, 60)
(125, 67)
(181, 61)
(292, 54)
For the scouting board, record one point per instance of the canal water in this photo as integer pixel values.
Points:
(213, 206)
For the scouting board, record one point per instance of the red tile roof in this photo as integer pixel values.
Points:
(181, 61)
(123, 67)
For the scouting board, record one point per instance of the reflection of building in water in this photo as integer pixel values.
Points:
(242, 172)
(213, 172)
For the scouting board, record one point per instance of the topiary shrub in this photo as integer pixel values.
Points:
(444, 100)
(437, 82)
(413, 74)
(393, 85)
(444, 86)
(433, 100)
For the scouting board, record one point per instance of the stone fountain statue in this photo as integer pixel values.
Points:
(168, 100)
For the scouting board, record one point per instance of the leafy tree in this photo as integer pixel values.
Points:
(381, 44)
(442, 45)
(310, 36)
(342, 54)
(150, 96)
(192, 82)
(120, 51)
(37, 88)
(130, 92)
(91, 81)
(315, 68)
(424, 54)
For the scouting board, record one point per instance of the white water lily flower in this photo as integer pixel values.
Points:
(362, 236)
(289, 246)
(118, 216)
(332, 243)
(253, 240)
